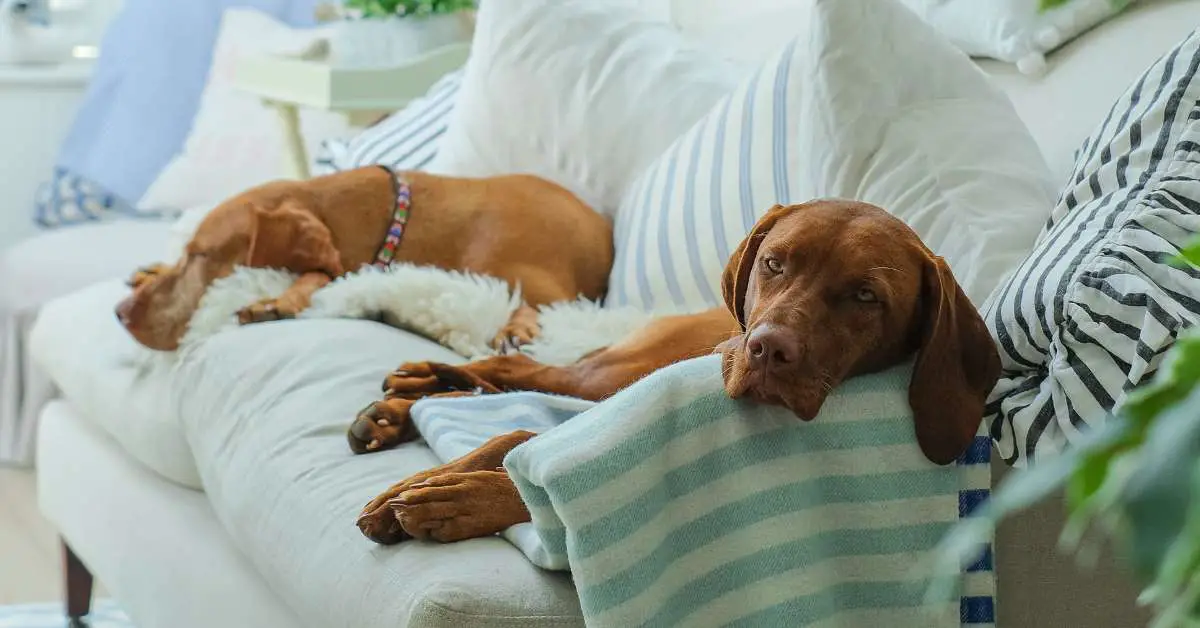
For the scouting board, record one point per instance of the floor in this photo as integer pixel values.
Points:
(29, 551)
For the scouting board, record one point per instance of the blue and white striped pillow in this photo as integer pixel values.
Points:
(867, 103)
(1094, 308)
(678, 224)
(406, 140)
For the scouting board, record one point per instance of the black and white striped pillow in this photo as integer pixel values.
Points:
(406, 140)
(1089, 315)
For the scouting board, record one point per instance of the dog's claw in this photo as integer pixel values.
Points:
(382, 526)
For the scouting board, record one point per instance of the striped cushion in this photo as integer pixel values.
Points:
(1091, 312)
(405, 140)
(849, 109)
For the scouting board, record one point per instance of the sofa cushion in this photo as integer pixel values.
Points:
(883, 111)
(266, 409)
(112, 381)
(580, 92)
(1092, 311)
(1089, 74)
(1017, 31)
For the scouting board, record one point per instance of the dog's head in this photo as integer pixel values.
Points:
(158, 311)
(160, 308)
(831, 289)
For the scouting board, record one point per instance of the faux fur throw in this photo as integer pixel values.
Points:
(459, 310)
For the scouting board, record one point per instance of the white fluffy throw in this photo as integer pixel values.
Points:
(462, 311)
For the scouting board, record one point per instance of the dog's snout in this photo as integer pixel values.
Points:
(771, 346)
(123, 310)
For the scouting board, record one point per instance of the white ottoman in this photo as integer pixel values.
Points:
(41, 268)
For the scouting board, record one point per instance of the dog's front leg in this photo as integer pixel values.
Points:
(475, 498)
(294, 300)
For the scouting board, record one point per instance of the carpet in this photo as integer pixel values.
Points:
(105, 614)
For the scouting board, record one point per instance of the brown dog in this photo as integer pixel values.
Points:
(816, 293)
(505, 227)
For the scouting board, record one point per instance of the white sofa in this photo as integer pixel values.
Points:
(117, 470)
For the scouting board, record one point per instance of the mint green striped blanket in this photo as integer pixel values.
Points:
(673, 505)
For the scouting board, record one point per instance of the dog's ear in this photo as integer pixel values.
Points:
(956, 368)
(736, 278)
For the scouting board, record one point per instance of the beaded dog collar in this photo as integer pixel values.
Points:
(403, 195)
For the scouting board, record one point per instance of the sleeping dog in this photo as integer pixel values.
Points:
(817, 293)
(525, 230)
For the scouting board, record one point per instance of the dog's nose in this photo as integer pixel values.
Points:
(123, 309)
(772, 346)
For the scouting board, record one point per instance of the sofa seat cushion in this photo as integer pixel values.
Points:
(113, 382)
(266, 409)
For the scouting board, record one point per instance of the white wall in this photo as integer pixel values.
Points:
(36, 107)
(37, 104)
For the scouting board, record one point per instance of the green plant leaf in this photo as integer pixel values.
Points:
(1046, 5)
(1178, 375)
(377, 9)
(1190, 254)
(1157, 498)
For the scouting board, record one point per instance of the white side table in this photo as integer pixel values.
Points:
(37, 105)
(362, 94)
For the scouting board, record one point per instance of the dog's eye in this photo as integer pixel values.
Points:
(773, 265)
(866, 295)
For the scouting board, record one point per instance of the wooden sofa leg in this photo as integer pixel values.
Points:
(78, 582)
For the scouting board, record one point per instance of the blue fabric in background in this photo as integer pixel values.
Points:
(144, 94)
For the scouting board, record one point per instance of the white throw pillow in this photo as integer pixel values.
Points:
(1016, 31)
(865, 103)
(237, 142)
(580, 92)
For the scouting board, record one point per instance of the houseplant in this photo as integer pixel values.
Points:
(1135, 480)
(376, 33)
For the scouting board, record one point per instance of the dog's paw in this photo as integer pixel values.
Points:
(264, 311)
(515, 335)
(145, 274)
(419, 379)
(382, 425)
(459, 506)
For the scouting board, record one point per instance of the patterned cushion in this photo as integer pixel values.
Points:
(849, 109)
(405, 140)
(69, 199)
(1091, 312)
